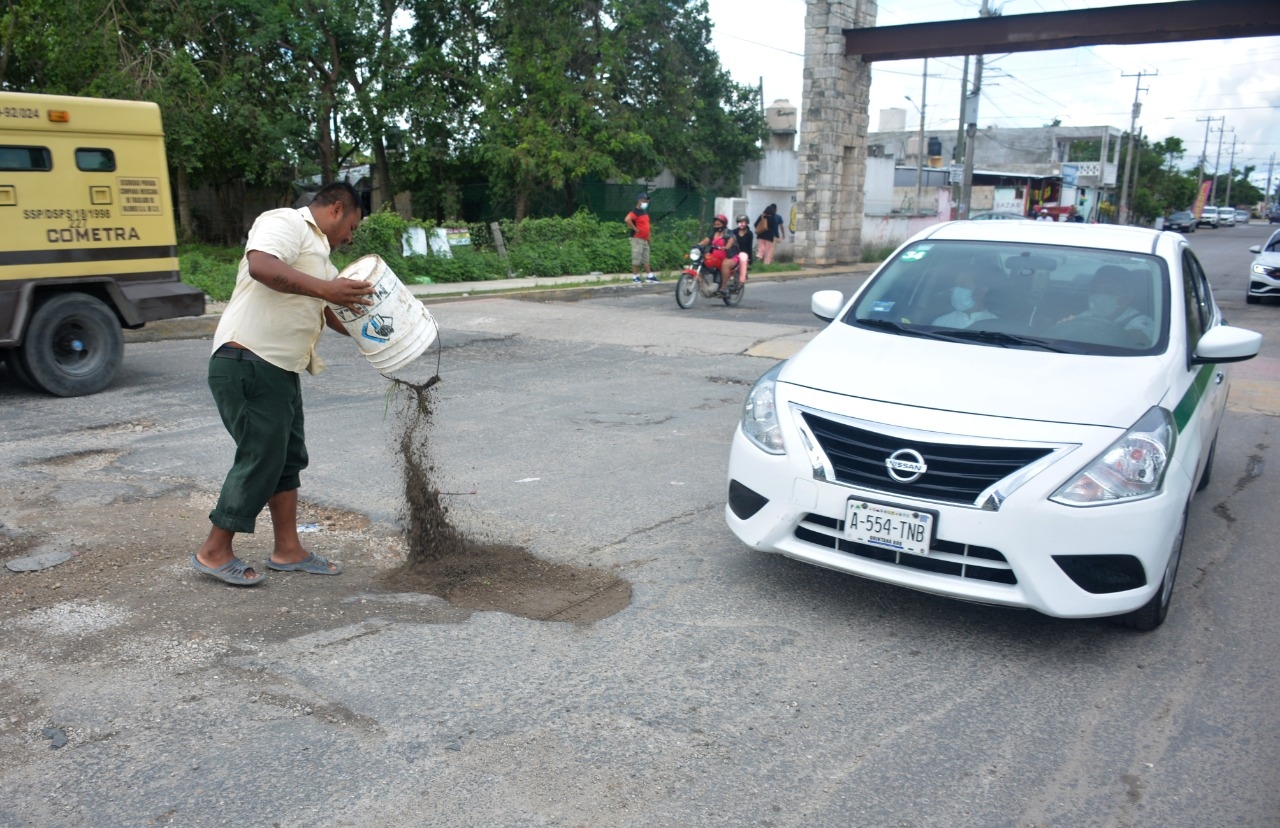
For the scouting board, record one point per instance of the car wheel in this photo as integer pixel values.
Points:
(73, 345)
(1152, 614)
(1208, 466)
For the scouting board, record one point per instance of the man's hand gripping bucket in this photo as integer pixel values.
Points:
(396, 329)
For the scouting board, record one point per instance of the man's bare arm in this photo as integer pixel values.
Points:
(283, 278)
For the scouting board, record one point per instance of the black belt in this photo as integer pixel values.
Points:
(230, 352)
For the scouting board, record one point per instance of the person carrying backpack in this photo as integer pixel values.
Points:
(769, 231)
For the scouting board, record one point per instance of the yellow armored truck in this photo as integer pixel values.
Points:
(87, 241)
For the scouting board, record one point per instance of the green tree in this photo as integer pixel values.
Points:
(609, 89)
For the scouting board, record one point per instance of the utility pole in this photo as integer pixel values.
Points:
(957, 155)
(1128, 158)
(1137, 166)
(924, 89)
(1204, 153)
(970, 133)
(970, 116)
(1213, 187)
(1266, 200)
(1231, 170)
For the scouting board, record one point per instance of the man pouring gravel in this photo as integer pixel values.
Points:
(266, 337)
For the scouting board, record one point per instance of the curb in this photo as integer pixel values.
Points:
(531, 290)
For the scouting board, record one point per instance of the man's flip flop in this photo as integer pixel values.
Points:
(231, 572)
(313, 563)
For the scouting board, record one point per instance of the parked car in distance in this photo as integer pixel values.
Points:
(1264, 273)
(1005, 412)
(991, 215)
(1226, 216)
(1242, 216)
(1273, 216)
(1208, 216)
(1182, 221)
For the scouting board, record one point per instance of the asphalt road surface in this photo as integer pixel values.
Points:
(736, 689)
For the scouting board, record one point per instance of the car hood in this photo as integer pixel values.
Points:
(1267, 259)
(978, 379)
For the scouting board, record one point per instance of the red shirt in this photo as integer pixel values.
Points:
(641, 221)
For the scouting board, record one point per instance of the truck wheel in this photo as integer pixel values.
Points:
(73, 346)
(13, 361)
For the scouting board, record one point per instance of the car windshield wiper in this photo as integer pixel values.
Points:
(894, 327)
(1004, 339)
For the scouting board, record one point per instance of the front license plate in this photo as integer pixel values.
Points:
(890, 527)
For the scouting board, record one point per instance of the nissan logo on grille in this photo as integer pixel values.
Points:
(905, 465)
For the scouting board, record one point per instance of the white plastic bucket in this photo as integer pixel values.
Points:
(397, 328)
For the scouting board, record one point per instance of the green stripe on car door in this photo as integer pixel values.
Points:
(1190, 400)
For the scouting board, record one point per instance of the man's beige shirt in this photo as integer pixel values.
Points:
(282, 328)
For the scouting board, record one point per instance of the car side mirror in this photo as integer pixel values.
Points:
(826, 304)
(1257, 248)
(1224, 343)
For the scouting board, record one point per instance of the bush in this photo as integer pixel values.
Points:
(210, 269)
(573, 246)
(875, 255)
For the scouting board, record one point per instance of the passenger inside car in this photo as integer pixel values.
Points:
(968, 298)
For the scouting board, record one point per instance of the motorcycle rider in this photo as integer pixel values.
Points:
(722, 249)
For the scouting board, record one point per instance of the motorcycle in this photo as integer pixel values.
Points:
(700, 279)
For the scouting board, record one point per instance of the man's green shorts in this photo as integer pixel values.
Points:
(261, 407)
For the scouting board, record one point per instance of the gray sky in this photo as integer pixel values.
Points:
(1238, 80)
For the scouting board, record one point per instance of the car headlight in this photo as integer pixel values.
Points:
(760, 413)
(1132, 468)
(1263, 270)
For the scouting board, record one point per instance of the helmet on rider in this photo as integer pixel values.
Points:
(722, 218)
(743, 220)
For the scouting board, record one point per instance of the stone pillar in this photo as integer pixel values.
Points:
(833, 135)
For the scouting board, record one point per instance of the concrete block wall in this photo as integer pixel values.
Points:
(832, 152)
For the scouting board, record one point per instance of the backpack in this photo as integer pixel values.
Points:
(762, 224)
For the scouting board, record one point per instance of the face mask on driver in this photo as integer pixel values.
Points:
(961, 299)
(1102, 304)
(644, 205)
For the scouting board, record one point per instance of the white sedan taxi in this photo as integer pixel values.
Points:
(1264, 273)
(1013, 413)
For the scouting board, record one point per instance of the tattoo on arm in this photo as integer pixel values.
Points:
(283, 284)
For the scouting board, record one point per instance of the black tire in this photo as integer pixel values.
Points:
(1152, 614)
(73, 345)
(13, 361)
(1208, 466)
(686, 290)
(733, 298)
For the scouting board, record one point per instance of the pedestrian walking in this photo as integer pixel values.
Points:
(637, 222)
(769, 231)
(266, 337)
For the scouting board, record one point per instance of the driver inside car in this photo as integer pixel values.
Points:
(1110, 294)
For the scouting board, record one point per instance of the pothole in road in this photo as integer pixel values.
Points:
(473, 574)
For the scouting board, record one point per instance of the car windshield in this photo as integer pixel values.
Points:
(1015, 295)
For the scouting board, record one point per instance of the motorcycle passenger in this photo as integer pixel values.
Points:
(722, 248)
(746, 244)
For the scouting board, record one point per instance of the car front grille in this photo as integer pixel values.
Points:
(956, 473)
(945, 557)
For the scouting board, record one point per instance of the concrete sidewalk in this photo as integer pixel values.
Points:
(533, 288)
